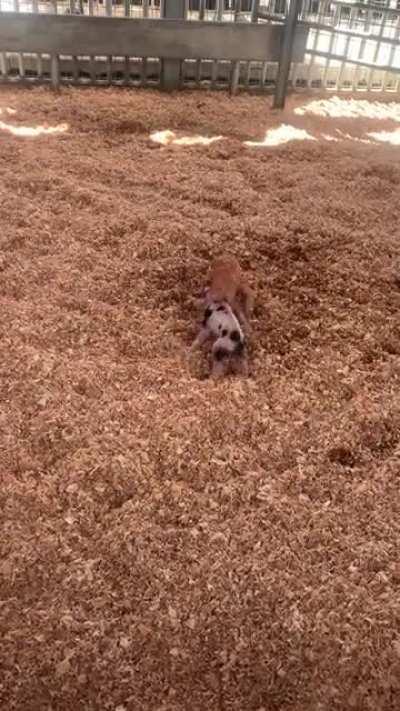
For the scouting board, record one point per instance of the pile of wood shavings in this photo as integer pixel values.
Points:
(167, 542)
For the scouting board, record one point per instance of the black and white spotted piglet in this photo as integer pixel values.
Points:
(228, 351)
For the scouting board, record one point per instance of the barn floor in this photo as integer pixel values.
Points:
(167, 543)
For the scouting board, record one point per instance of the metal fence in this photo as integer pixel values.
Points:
(351, 46)
(144, 50)
(209, 10)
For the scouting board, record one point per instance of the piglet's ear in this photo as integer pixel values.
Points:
(206, 295)
(200, 302)
(204, 299)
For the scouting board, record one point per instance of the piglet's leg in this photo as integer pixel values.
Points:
(248, 300)
(202, 337)
(219, 368)
(240, 366)
(243, 320)
(244, 304)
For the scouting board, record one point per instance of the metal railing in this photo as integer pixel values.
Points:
(351, 46)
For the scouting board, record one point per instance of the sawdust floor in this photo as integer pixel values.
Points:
(168, 543)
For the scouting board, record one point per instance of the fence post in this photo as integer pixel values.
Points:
(171, 68)
(55, 71)
(286, 53)
(254, 10)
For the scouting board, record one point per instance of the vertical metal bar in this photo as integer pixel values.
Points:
(377, 48)
(286, 54)
(237, 8)
(55, 71)
(335, 21)
(214, 73)
(235, 74)
(108, 69)
(3, 65)
(198, 72)
(295, 71)
(21, 66)
(75, 69)
(202, 7)
(156, 72)
(312, 59)
(39, 66)
(361, 51)
(393, 48)
(35, 6)
(368, 22)
(264, 74)
(254, 10)
(345, 52)
(127, 70)
(91, 3)
(363, 40)
(379, 40)
(109, 11)
(183, 73)
(248, 72)
(127, 8)
(55, 8)
(171, 69)
(92, 69)
(144, 72)
(220, 10)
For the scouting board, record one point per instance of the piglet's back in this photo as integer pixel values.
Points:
(225, 276)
